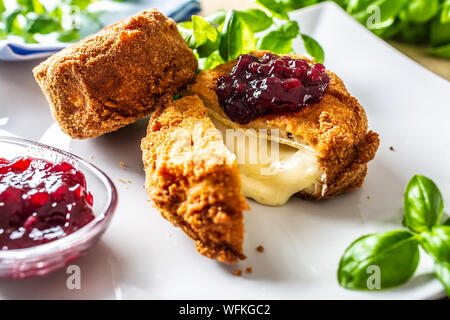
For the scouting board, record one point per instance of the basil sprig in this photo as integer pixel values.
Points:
(423, 204)
(388, 259)
(68, 20)
(415, 21)
(230, 34)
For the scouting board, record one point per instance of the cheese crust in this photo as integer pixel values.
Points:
(336, 128)
(193, 179)
(117, 75)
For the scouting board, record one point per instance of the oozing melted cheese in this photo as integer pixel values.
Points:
(270, 175)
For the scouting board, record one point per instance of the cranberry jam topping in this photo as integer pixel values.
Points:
(270, 85)
(40, 202)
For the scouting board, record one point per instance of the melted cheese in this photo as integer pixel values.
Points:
(271, 172)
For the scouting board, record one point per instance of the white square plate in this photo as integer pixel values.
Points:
(144, 256)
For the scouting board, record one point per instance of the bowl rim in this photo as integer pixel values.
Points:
(88, 231)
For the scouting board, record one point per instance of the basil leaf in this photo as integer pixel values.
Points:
(280, 40)
(42, 24)
(276, 43)
(207, 37)
(445, 14)
(212, 61)
(437, 243)
(217, 17)
(423, 204)
(82, 4)
(237, 37)
(257, 20)
(442, 272)
(387, 10)
(2, 8)
(313, 48)
(187, 32)
(11, 18)
(442, 52)
(68, 36)
(297, 4)
(276, 8)
(420, 11)
(394, 253)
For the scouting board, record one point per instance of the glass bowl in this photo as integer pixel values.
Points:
(45, 258)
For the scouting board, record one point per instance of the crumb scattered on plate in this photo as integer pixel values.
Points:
(260, 248)
(237, 272)
(391, 148)
(249, 269)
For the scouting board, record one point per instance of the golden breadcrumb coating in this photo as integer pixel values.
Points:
(193, 179)
(336, 127)
(117, 75)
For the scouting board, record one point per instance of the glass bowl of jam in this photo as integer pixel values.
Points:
(54, 206)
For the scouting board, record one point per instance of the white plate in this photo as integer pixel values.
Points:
(144, 256)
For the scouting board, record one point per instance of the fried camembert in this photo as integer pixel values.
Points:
(324, 145)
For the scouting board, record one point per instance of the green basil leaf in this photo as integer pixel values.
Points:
(447, 222)
(395, 254)
(390, 30)
(386, 9)
(276, 8)
(420, 11)
(439, 33)
(445, 14)
(217, 17)
(442, 272)
(82, 4)
(42, 24)
(38, 7)
(26, 5)
(441, 52)
(237, 37)
(280, 40)
(2, 7)
(354, 6)
(413, 33)
(257, 20)
(207, 37)
(276, 43)
(297, 4)
(313, 48)
(68, 36)
(423, 204)
(11, 18)
(187, 32)
(437, 242)
(212, 61)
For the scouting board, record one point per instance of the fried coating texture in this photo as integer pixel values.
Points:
(336, 127)
(117, 75)
(193, 179)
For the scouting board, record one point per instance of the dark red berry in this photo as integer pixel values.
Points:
(268, 85)
(40, 202)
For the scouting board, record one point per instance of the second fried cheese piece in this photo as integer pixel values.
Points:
(117, 75)
(193, 180)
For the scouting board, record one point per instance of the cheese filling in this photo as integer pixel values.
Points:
(271, 171)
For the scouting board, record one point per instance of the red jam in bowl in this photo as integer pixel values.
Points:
(40, 202)
(270, 85)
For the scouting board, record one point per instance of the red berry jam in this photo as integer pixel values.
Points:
(270, 85)
(40, 202)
